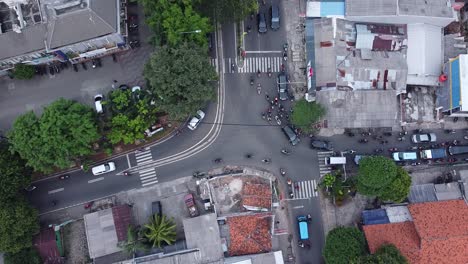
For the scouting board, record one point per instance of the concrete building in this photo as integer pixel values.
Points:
(452, 96)
(49, 30)
(425, 20)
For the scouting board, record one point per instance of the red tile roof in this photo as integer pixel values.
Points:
(47, 246)
(402, 235)
(438, 233)
(256, 195)
(122, 219)
(249, 234)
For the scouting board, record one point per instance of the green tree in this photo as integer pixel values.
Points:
(15, 175)
(228, 10)
(380, 176)
(27, 255)
(134, 242)
(171, 18)
(160, 230)
(131, 116)
(343, 244)
(23, 71)
(305, 114)
(18, 223)
(386, 254)
(65, 131)
(181, 79)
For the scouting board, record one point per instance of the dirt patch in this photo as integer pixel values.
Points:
(76, 247)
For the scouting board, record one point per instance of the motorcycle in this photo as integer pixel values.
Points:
(349, 152)
(401, 138)
(392, 149)
(285, 151)
(233, 67)
(88, 205)
(269, 72)
(251, 81)
(413, 148)
(450, 131)
(387, 134)
(282, 172)
(403, 133)
(285, 47)
(383, 142)
(289, 181)
(259, 89)
(365, 134)
(266, 160)
(249, 28)
(465, 137)
(278, 120)
(379, 150)
(198, 174)
(263, 116)
(267, 97)
(363, 140)
(258, 73)
(75, 67)
(218, 160)
(418, 131)
(83, 64)
(415, 163)
(248, 155)
(64, 177)
(285, 56)
(126, 173)
(94, 64)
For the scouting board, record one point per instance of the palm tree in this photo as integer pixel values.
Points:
(160, 229)
(134, 242)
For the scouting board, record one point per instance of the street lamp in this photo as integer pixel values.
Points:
(190, 32)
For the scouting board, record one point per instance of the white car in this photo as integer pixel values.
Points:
(103, 168)
(402, 156)
(423, 138)
(196, 120)
(98, 103)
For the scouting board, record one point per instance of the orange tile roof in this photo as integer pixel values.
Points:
(256, 195)
(438, 233)
(443, 219)
(402, 235)
(249, 234)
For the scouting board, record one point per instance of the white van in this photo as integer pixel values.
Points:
(103, 168)
(335, 160)
(98, 103)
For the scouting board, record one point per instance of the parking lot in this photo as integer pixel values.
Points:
(19, 96)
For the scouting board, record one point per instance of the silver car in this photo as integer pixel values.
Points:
(424, 138)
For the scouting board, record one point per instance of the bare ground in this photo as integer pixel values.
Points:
(76, 247)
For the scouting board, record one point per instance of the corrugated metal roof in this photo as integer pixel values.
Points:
(422, 193)
(332, 8)
(374, 217)
(398, 214)
(371, 7)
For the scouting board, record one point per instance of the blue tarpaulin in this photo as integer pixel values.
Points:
(455, 83)
(374, 217)
(332, 8)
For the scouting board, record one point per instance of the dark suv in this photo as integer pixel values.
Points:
(275, 17)
(321, 144)
(262, 25)
(291, 135)
(283, 86)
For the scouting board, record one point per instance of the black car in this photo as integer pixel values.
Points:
(321, 144)
(291, 135)
(283, 86)
(275, 17)
(262, 25)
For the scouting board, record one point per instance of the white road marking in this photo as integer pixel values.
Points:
(56, 190)
(263, 51)
(128, 161)
(96, 180)
(298, 207)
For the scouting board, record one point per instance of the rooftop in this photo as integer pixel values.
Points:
(249, 234)
(359, 56)
(429, 8)
(47, 246)
(206, 239)
(437, 234)
(105, 228)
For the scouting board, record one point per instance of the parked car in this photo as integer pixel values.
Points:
(335, 160)
(275, 17)
(402, 156)
(103, 168)
(156, 208)
(321, 144)
(291, 135)
(191, 206)
(262, 25)
(153, 130)
(424, 138)
(196, 120)
(283, 86)
(457, 150)
(98, 103)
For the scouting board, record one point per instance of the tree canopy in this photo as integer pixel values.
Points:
(305, 114)
(160, 230)
(27, 255)
(380, 176)
(65, 131)
(386, 254)
(229, 10)
(23, 71)
(172, 18)
(14, 174)
(132, 114)
(133, 243)
(181, 79)
(18, 223)
(343, 244)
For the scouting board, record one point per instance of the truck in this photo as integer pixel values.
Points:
(303, 227)
(191, 206)
(439, 153)
(456, 150)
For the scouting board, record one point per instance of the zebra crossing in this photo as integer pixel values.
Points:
(305, 189)
(148, 175)
(324, 168)
(253, 64)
